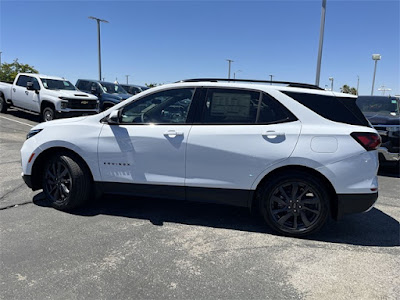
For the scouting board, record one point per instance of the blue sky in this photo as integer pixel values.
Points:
(165, 41)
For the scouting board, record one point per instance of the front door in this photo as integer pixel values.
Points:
(147, 150)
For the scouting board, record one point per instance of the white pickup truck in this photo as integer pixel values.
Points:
(51, 97)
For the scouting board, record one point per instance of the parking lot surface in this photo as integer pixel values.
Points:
(123, 248)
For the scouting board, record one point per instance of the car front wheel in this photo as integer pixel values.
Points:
(295, 204)
(66, 182)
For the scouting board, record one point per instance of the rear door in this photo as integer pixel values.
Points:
(238, 135)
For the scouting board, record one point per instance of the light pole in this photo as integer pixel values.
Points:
(358, 83)
(0, 57)
(270, 76)
(321, 41)
(98, 40)
(375, 57)
(126, 78)
(234, 73)
(331, 80)
(229, 68)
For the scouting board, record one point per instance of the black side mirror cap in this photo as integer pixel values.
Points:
(29, 86)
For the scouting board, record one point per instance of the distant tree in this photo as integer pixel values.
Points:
(8, 72)
(152, 84)
(348, 90)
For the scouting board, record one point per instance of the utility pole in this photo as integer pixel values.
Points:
(271, 78)
(321, 41)
(229, 67)
(0, 57)
(331, 80)
(98, 40)
(126, 78)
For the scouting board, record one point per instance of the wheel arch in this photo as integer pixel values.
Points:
(289, 168)
(39, 163)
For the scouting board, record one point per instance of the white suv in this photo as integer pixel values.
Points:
(296, 153)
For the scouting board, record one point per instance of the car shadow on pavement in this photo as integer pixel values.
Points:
(23, 115)
(389, 171)
(373, 228)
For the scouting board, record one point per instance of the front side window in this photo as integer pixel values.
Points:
(22, 80)
(54, 84)
(167, 107)
(112, 88)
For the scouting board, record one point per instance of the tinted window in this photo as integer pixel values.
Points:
(162, 108)
(338, 109)
(378, 104)
(22, 80)
(53, 84)
(83, 85)
(271, 111)
(229, 106)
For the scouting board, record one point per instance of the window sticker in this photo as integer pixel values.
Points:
(394, 101)
(45, 84)
(230, 104)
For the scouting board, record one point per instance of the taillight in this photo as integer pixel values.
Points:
(369, 140)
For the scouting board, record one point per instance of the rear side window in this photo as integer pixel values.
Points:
(232, 106)
(337, 109)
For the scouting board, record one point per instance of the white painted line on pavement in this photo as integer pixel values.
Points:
(30, 125)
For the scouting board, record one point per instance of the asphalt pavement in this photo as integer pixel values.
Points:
(135, 248)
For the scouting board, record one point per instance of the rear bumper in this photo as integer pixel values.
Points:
(354, 203)
(385, 155)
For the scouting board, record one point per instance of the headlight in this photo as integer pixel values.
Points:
(33, 132)
(64, 104)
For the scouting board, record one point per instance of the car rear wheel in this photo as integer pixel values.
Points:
(66, 182)
(295, 204)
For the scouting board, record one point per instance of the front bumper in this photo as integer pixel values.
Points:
(27, 179)
(385, 155)
(354, 203)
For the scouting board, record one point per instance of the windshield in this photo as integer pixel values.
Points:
(54, 84)
(112, 88)
(378, 105)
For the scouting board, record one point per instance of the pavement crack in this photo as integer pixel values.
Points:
(15, 205)
(11, 191)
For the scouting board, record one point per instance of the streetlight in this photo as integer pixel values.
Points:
(270, 76)
(126, 78)
(358, 83)
(375, 57)
(229, 70)
(98, 40)
(331, 80)
(0, 57)
(321, 41)
(234, 73)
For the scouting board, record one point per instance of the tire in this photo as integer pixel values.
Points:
(66, 182)
(294, 204)
(3, 105)
(48, 114)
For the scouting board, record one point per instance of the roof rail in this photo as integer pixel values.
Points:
(289, 83)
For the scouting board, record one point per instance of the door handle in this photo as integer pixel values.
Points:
(14, 90)
(271, 134)
(173, 133)
(26, 93)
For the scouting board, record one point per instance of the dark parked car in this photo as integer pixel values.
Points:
(108, 93)
(134, 89)
(383, 114)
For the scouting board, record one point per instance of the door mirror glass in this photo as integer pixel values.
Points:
(29, 86)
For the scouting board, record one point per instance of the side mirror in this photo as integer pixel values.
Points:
(94, 91)
(114, 117)
(29, 86)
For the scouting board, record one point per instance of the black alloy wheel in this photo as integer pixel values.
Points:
(295, 205)
(66, 182)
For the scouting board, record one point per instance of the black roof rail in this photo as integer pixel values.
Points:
(289, 83)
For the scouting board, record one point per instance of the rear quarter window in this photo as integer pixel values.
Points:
(337, 109)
